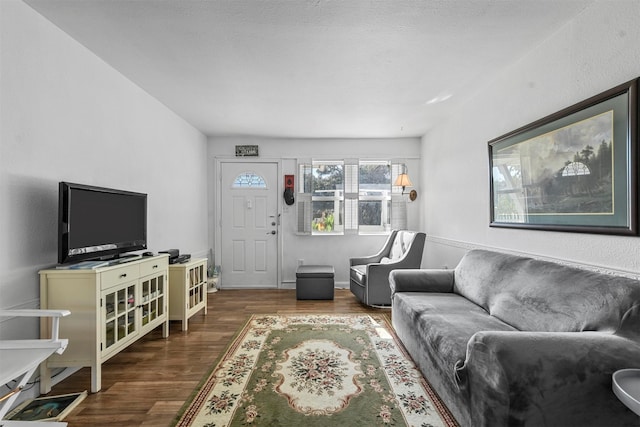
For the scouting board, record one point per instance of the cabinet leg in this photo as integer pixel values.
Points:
(165, 328)
(96, 378)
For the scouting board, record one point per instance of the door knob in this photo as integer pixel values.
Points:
(272, 232)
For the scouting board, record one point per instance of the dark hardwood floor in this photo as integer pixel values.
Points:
(147, 383)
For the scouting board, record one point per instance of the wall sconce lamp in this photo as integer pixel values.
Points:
(403, 181)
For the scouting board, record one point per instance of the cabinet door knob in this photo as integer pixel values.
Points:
(123, 275)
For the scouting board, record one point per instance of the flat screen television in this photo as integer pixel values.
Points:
(99, 223)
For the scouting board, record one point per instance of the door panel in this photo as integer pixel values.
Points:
(249, 212)
(238, 256)
(261, 255)
(261, 213)
(238, 212)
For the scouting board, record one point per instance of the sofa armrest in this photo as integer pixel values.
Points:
(542, 378)
(421, 280)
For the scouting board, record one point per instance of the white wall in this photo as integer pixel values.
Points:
(66, 115)
(331, 250)
(598, 50)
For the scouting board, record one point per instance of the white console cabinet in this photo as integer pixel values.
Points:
(111, 307)
(187, 290)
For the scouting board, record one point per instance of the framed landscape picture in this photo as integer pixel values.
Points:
(576, 170)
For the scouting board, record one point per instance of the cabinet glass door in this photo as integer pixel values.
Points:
(119, 315)
(153, 299)
(196, 285)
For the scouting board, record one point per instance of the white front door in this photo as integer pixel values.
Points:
(249, 225)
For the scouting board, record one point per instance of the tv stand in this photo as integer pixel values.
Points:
(111, 308)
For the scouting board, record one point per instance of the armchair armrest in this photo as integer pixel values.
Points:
(375, 257)
(411, 258)
(365, 260)
(541, 378)
(421, 280)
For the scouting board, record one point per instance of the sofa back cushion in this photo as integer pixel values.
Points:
(535, 295)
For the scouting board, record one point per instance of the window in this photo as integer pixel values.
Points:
(350, 196)
(374, 196)
(249, 180)
(327, 197)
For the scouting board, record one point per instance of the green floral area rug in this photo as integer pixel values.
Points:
(315, 370)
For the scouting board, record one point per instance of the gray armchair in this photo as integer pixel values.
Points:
(369, 276)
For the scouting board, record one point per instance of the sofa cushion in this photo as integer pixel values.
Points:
(481, 275)
(535, 295)
(547, 297)
(358, 273)
(445, 322)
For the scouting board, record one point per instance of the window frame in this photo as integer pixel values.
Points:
(338, 199)
(350, 197)
(385, 200)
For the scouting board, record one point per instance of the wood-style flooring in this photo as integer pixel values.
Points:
(147, 383)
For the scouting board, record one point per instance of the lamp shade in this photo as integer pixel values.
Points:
(403, 181)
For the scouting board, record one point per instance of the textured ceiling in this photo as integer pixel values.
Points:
(310, 68)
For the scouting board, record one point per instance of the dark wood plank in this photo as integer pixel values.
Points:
(147, 383)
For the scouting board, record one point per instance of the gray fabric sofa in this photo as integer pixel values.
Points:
(512, 341)
(369, 275)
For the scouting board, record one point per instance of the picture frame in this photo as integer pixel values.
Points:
(247, 151)
(573, 171)
(48, 408)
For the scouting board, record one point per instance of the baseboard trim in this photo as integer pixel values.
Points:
(591, 267)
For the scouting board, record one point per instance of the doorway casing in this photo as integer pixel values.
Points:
(218, 206)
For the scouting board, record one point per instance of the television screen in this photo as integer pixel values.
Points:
(96, 222)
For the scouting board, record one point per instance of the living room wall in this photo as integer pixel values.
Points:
(596, 51)
(331, 250)
(68, 116)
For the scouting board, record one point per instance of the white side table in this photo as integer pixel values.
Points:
(20, 358)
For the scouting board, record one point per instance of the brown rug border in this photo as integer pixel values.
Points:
(197, 398)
